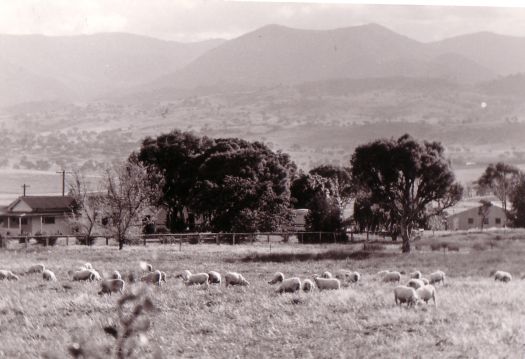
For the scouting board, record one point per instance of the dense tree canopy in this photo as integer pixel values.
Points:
(338, 183)
(517, 198)
(406, 179)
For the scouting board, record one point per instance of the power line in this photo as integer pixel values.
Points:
(63, 173)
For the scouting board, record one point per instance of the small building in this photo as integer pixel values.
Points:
(466, 215)
(299, 220)
(37, 214)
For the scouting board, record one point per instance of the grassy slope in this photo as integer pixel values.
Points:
(476, 317)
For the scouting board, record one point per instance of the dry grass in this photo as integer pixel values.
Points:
(475, 317)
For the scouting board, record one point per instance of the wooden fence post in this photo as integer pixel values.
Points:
(144, 240)
(320, 237)
(180, 244)
(217, 239)
(233, 239)
(47, 241)
(27, 242)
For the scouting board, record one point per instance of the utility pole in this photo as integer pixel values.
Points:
(63, 173)
(24, 186)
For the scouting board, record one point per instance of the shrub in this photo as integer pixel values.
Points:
(479, 247)
(452, 247)
(436, 246)
(373, 247)
(85, 240)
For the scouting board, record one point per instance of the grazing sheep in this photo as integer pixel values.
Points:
(96, 275)
(49, 276)
(87, 265)
(277, 278)
(426, 293)
(197, 278)
(416, 275)
(425, 281)
(289, 285)
(326, 275)
(37, 268)
(7, 274)
(347, 275)
(185, 274)
(152, 278)
(233, 278)
(109, 286)
(383, 272)
(116, 275)
(308, 285)
(392, 277)
(145, 266)
(214, 277)
(415, 283)
(502, 276)
(403, 294)
(85, 274)
(163, 276)
(436, 277)
(327, 283)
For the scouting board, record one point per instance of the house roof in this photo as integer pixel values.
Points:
(474, 202)
(43, 204)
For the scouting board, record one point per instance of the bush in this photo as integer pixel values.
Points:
(85, 240)
(436, 246)
(452, 247)
(373, 247)
(479, 247)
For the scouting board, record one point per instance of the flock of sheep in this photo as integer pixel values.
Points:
(417, 289)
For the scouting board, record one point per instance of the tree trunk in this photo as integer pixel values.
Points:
(405, 235)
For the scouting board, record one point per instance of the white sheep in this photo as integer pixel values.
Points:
(326, 275)
(87, 265)
(109, 286)
(7, 274)
(37, 268)
(49, 275)
(327, 283)
(233, 278)
(404, 294)
(116, 275)
(96, 275)
(436, 277)
(347, 275)
(308, 285)
(502, 276)
(185, 274)
(214, 277)
(197, 278)
(416, 275)
(425, 281)
(289, 285)
(85, 274)
(415, 283)
(145, 266)
(382, 272)
(152, 278)
(392, 277)
(426, 293)
(277, 278)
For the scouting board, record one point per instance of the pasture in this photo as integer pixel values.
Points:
(475, 317)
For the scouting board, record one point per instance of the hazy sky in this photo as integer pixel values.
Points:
(192, 20)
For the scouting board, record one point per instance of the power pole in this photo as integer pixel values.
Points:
(25, 186)
(63, 173)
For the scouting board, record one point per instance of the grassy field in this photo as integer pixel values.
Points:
(475, 317)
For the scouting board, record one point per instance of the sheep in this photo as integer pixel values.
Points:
(152, 278)
(415, 283)
(96, 275)
(116, 275)
(416, 275)
(48, 275)
(347, 275)
(436, 277)
(163, 276)
(233, 278)
(7, 274)
(109, 286)
(289, 285)
(37, 268)
(308, 285)
(145, 266)
(87, 265)
(326, 275)
(427, 292)
(185, 274)
(425, 281)
(327, 283)
(197, 278)
(382, 272)
(277, 277)
(404, 294)
(392, 277)
(85, 274)
(503, 276)
(214, 277)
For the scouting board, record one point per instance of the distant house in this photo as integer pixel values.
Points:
(299, 220)
(466, 215)
(37, 214)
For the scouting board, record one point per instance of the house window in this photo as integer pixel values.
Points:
(471, 221)
(23, 220)
(486, 221)
(48, 220)
(498, 220)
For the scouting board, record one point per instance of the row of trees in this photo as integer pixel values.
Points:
(233, 185)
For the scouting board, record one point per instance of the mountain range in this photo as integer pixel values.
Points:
(117, 65)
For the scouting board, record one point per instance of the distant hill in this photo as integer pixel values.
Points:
(280, 55)
(37, 67)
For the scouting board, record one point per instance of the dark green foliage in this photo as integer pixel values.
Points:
(324, 215)
(517, 198)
